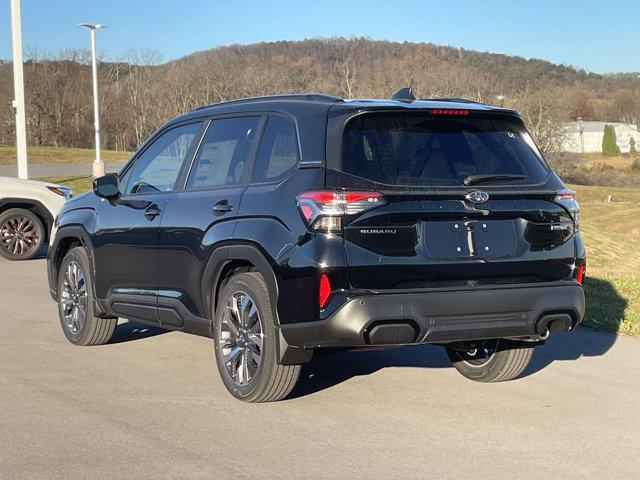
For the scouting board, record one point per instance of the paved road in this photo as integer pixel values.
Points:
(39, 170)
(150, 405)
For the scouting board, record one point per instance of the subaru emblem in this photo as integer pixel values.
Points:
(477, 196)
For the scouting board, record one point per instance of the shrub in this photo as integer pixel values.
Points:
(635, 166)
(609, 147)
(632, 145)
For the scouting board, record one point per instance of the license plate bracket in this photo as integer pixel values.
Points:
(463, 239)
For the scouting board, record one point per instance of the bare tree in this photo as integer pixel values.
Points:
(138, 93)
(543, 116)
(140, 89)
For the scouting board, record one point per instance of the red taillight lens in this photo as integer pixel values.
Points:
(324, 290)
(579, 274)
(323, 209)
(449, 111)
(566, 194)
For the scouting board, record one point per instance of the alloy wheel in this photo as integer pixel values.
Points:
(241, 338)
(19, 235)
(73, 298)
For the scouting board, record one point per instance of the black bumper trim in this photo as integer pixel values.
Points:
(443, 315)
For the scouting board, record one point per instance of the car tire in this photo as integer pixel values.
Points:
(22, 234)
(76, 302)
(245, 339)
(492, 360)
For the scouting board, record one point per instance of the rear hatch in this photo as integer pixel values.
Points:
(466, 200)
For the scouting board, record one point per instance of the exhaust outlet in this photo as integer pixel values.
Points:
(554, 323)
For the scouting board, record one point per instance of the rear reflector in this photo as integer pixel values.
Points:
(449, 111)
(579, 274)
(323, 290)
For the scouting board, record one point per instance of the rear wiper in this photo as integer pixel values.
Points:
(498, 177)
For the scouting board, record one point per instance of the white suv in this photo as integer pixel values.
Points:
(27, 212)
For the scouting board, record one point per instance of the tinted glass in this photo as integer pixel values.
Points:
(224, 152)
(278, 154)
(418, 149)
(157, 168)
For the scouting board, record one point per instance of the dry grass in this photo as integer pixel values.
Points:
(611, 232)
(61, 155)
(598, 194)
(77, 184)
(597, 160)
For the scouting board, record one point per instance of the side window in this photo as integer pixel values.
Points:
(278, 154)
(157, 168)
(224, 152)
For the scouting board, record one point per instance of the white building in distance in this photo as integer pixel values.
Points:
(590, 140)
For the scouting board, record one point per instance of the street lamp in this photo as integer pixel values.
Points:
(581, 132)
(18, 88)
(98, 165)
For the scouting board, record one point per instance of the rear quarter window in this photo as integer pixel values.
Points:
(278, 154)
(424, 149)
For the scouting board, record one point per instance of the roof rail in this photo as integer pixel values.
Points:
(312, 97)
(404, 95)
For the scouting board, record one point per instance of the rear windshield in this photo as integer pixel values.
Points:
(421, 149)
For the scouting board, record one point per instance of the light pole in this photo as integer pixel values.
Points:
(18, 91)
(581, 131)
(98, 165)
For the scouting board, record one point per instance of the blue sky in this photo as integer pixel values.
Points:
(595, 35)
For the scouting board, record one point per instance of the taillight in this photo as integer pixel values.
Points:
(324, 289)
(567, 198)
(578, 274)
(566, 194)
(323, 210)
(62, 191)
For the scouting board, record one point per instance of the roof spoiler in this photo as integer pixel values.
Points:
(404, 95)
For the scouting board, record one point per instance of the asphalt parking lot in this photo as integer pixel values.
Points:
(150, 405)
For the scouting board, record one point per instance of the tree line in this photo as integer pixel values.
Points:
(139, 92)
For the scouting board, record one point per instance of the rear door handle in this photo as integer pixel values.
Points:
(222, 207)
(152, 212)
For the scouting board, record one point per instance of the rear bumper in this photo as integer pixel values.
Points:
(441, 316)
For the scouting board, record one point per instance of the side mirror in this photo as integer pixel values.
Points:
(107, 186)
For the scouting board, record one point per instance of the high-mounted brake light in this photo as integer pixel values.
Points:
(324, 289)
(449, 111)
(323, 210)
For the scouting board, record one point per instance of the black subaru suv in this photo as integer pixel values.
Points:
(286, 224)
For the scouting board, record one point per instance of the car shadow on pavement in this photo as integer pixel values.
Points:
(330, 369)
(130, 331)
(605, 310)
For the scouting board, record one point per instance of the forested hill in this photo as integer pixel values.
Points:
(139, 92)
